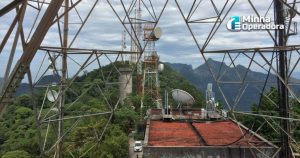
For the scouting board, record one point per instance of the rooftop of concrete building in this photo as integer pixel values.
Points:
(207, 133)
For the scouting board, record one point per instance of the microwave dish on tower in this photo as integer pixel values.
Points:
(152, 33)
(52, 95)
(157, 32)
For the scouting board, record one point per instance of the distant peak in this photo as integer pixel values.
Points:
(240, 66)
(210, 60)
(179, 65)
(211, 63)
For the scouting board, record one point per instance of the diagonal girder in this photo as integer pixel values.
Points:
(10, 7)
(29, 52)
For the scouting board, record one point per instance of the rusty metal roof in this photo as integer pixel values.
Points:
(172, 134)
(214, 133)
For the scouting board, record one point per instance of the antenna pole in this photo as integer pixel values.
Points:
(59, 149)
(283, 92)
(138, 26)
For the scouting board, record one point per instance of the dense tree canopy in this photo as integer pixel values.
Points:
(16, 154)
(18, 129)
(270, 127)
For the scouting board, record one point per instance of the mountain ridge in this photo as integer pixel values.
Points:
(201, 76)
(45, 80)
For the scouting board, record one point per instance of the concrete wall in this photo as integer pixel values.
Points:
(125, 83)
(207, 152)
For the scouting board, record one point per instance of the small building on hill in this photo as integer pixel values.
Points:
(188, 135)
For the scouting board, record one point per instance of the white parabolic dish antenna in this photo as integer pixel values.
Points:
(161, 67)
(157, 32)
(182, 97)
(52, 95)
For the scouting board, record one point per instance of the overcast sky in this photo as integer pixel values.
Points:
(104, 31)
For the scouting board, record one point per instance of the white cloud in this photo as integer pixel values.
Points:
(103, 30)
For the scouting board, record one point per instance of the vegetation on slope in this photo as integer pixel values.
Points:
(18, 132)
(271, 126)
(170, 79)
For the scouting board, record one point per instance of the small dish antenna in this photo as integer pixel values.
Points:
(157, 32)
(52, 95)
(161, 67)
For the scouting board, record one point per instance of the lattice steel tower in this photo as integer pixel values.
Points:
(151, 61)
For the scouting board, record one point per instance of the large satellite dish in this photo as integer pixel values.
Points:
(182, 97)
(52, 95)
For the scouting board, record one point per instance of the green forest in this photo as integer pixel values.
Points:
(18, 126)
(269, 127)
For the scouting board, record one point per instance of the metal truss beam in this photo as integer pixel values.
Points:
(30, 50)
(258, 49)
(84, 51)
(12, 5)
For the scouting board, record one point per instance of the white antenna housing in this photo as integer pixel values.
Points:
(52, 95)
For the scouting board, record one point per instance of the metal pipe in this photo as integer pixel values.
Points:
(59, 152)
(283, 91)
